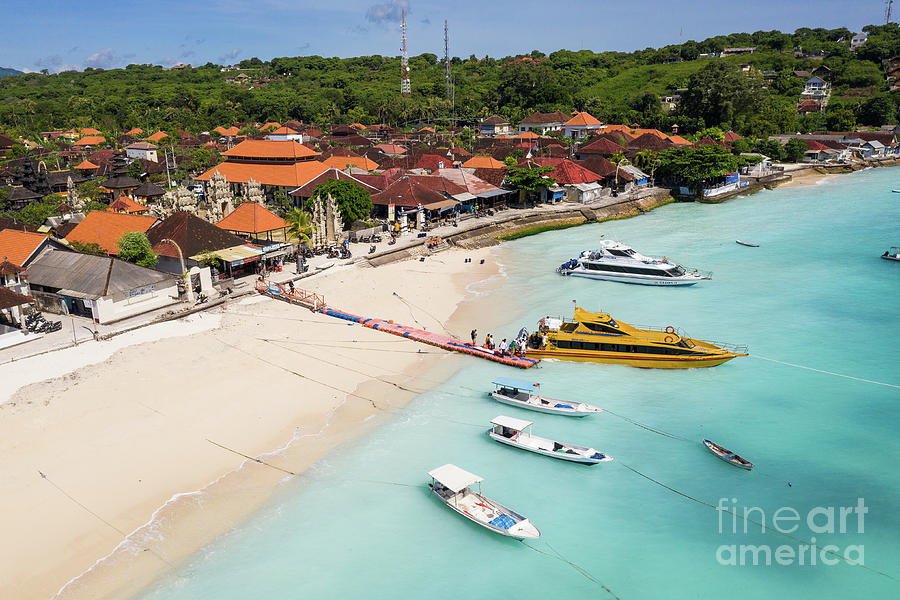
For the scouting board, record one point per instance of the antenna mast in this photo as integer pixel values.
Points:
(448, 75)
(887, 11)
(404, 57)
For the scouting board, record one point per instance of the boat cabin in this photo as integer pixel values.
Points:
(521, 389)
(509, 427)
(449, 480)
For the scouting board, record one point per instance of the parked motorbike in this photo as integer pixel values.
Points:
(372, 249)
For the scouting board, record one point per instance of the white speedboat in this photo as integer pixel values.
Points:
(452, 485)
(524, 394)
(892, 254)
(618, 262)
(514, 432)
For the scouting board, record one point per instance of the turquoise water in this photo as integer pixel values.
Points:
(362, 523)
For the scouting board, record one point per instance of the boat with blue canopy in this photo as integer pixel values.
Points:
(525, 394)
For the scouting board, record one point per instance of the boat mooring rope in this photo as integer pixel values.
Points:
(763, 526)
(410, 305)
(781, 362)
(581, 570)
(650, 429)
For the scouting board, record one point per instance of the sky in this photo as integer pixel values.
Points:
(61, 35)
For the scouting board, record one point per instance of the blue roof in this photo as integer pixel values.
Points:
(519, 384)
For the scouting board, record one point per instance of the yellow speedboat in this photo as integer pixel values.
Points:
(597, 337)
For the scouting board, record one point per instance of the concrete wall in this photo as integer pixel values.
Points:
(106, 310)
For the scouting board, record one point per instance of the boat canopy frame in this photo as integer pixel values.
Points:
(453, 478)
(522, 385)
(512, 422)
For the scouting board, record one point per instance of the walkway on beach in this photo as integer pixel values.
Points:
(316, 303)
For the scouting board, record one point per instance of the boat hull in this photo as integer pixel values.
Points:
(633, 279)
(486, 525)
(644, 361)
(713, 447)
(889, 257)
(542, 409)
(585, 460)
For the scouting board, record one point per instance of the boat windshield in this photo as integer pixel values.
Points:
(675, 272)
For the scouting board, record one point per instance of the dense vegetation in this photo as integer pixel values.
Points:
(613, 86)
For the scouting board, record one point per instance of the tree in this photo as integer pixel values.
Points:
(795, 149)
(93, 205)
(352, 200)
(718, 93)
(36, 213)
(879, 110)
(283, 203)
(301, 226)
(697, 165)
(510, 161)
(135, 247)
(136, 169)
(90, 189)
(529, 179)
(840, 118)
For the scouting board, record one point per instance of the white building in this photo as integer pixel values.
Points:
(144, 150)
(285, 134)
(858, 40)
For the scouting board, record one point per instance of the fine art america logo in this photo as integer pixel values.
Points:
(821, 520)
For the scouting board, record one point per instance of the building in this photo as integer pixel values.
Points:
(544, 122)
(483, 162)
(193, 237)
(252, 219)
(274, 165)
(144, 150)
(105, 229)
(581, 125)
(22, 247)
(306, 191)
(494, 126)
(103, 288)
(858, 40)
(734, 51)
(285, 134)
(815, 86)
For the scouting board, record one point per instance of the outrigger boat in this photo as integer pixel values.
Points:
(597, 337)
(743, 243)
(728, 456)
(524, 394)
(452, 485)
(514, 432)
(892, 254)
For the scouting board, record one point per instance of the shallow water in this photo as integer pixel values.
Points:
(815, 294)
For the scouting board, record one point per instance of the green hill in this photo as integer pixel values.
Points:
(613, 86)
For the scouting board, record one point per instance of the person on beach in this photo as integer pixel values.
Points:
(474, 335)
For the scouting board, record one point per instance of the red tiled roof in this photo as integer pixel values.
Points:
(649, 141)
(602, 146)
(468, 181)
(158, 136)
(9, 298)
(433, 162)
(410, 191)
(253, 218)
(605, 168)
(134, 131)
(814, 146)
(89, 131)
(495, 120)
(18, 246)
(230, 132)
(307, 189)
(87, 165)
(192, 234)
(284, 131)
(483, 162)
(291, 175)
(494, 177)
(732, 136)
(341, 162)
(105, 228)
(539, 117)
(391, 148)
(582, 119)
(270, 149)
(565, 171)
(127, 205)
(90, 140)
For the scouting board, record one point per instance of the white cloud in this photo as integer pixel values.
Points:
(386, 12)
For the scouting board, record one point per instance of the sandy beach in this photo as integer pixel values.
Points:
(115, 471)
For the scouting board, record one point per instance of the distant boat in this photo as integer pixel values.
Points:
(324, 266)
(896, 191)
(892, 254)
(514, 432)
(743, 243)
(524, 394)
(452, 486)
(727, 455)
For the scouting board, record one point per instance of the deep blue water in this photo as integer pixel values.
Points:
(361, 523)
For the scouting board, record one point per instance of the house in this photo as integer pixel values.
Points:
(418, 196)
(433, 162)
(103, 288)
(89, 142)
(14, 294)
(105, 229)
(345, 162)
(581, 125)
(193, 236)
(574, 183)
(734, 51)
(285, 134)
(307, 190)
(817, 151)
(148, 192)
(822, 72)
(807, 106)
(875, 148)
(274, 165)
(544, 122)
(124, 204)
(485, 193)
(858, 40)
(815, 86)
(144, 150)
(6, 144)
(229, 132)
(158, 136)
(494, 126)
(22, 247)
(391, 149)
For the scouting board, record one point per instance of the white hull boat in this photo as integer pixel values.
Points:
(892, 254)
(618, 262)
(522, 393)
(514, 432)
(452, 486)
(743, 243)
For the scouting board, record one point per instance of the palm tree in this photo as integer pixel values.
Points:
(644, 159)
(300, 226)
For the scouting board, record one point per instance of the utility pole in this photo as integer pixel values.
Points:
(887, 11)
(448, 73)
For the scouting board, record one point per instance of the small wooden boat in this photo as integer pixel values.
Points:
(514, 432)
(324, 266)
(452, 485)
(743, 243)
(892, 254)
(522, 393)
(727, 455)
